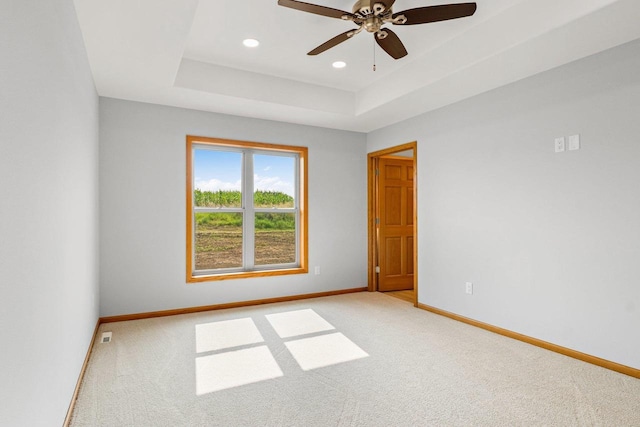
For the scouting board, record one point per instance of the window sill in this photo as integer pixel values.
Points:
(245, 274)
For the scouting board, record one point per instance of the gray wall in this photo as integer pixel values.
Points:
(550, 241)
(48, 210)
(142, 208)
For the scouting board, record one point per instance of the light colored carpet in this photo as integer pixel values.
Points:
(363, 359)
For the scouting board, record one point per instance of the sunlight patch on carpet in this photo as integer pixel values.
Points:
(226, 334)
(235, 368)
(299, 322)
(324, 350)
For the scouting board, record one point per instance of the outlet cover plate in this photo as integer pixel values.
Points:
(574, 142)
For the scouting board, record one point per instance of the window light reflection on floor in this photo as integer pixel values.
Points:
(232, 368)
(226, 334)
(299, 322)
(235, 368)
(324, 350)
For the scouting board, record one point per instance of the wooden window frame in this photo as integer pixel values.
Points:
(303, 223)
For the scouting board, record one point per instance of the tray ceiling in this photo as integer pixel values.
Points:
(189, 54)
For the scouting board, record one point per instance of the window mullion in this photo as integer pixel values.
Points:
(217, 210)
(249, 212)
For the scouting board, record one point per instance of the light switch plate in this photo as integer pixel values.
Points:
(559, 144)
(574, 142)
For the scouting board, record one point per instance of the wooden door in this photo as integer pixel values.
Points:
(395, 224)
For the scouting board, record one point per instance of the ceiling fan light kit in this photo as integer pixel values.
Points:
(371, 15)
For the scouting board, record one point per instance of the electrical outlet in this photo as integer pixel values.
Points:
(559, 144)
(469, 288)
(317, 270)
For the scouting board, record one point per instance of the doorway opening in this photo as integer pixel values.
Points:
(392, 221)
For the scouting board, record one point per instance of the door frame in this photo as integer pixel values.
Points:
(372, 208)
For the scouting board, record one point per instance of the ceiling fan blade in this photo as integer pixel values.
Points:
(424, 15)
(391, 44)
(333, 42)
(314, 8)
(388, 3)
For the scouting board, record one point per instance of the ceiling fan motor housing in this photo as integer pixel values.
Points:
(372, 14)
(365, 8)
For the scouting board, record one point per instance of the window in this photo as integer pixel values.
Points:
(246, 209)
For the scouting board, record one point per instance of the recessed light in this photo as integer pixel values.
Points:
(339, 64)
(250, 42)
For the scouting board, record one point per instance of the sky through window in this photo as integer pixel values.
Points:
(221, 170)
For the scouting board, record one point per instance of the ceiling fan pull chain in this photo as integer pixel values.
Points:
(374, 55)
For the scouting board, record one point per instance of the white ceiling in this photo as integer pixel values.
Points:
(189, 53)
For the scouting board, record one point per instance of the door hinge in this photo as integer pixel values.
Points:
(377, 269)
(377, 221)
(377, 172)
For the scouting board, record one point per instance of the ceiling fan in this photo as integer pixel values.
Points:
(371, 15)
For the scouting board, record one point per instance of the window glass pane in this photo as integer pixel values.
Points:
(273, 181)
(217, 179)
(275, 238)
(218, 240)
